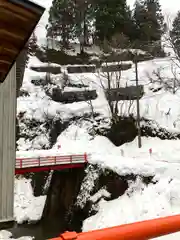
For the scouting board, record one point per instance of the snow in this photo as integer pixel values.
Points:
(27, 208)
(87, 186)
(127, 159)
(36, 62)
(123, 159)
(101, 193)
(137, 205)
(161, 106)
(5, 235)
(117, 63)
(41, 27)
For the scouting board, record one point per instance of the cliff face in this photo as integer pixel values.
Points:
(74, 194)
(62, 193)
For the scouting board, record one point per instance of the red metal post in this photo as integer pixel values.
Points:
(85, 157)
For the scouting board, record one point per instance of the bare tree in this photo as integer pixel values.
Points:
(170, 84)
(112, 80)
(173, 53)
(89, 101)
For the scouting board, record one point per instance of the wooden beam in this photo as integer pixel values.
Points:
(5, 57)
(12, 8)
(12, 43)
(11, 50)
(8, 48)
(5, 61)
(12, 27)
(3, 67)
(13, 35)
(3, 71)
(4, 13)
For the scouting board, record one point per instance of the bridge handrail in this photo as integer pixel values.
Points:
(135, 231)
(50, 160)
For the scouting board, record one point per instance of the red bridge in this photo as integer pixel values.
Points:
(39, 164)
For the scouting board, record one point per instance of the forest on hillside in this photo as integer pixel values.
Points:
(104, 21)
(110, 23)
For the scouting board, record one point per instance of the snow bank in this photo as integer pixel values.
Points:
(5, 235)
(126, 159)
(100, 194)
(117, 63)
(35, 62)
(164, 163)
(161, 106)
(26, 206)
(162, 150)
(137, 205)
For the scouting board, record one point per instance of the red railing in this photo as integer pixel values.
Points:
(50, 161)
(135, 231)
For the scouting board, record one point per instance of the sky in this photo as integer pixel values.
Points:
(168, 6)
(40, 29)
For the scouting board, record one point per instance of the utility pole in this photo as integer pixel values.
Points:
(138, 107)
(48, 43)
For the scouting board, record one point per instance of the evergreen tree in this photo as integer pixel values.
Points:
(175, 34)
(83, 17)
(32, 45)
(139, 18)
(61, 21)
(31, 48)
(149, 20)
(155, 19)
(111, 17)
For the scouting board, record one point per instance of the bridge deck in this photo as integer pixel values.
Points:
(38, 164)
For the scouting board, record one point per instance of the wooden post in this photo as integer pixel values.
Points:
(7, 145)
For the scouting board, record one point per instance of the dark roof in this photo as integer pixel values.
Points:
(18, 18)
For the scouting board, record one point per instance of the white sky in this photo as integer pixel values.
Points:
(40, 30)
(168, 6)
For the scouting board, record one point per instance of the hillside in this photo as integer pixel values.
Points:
(64, 108)
(45, 123)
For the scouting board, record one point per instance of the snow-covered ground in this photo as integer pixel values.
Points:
(164, 163)
(5, 235)
(157, 104)
(161, 106)
(126, 159)
(136, 204)
(139, 203)
(27, 208)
